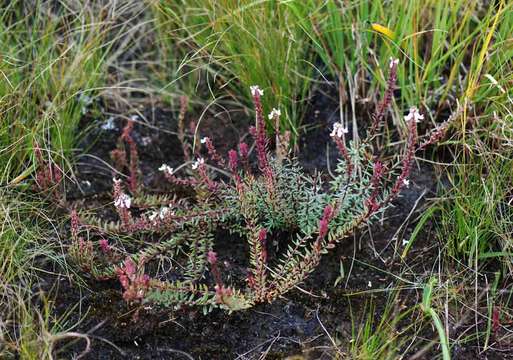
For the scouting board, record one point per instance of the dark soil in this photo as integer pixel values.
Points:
(302, 322)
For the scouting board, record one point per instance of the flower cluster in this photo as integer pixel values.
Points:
(135, 284)
(122, 202)
(337, 135)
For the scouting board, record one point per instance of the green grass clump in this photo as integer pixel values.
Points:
(244, 43)
(52, 62)
(438, 42)
(26, 328)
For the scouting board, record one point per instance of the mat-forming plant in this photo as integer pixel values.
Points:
(256, 200)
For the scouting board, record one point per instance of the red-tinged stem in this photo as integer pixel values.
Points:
(233, 164)
(212, 152)
(244, 156)
(211, 185)
(378, 115)
(342, 149)
(259, 272)
(75, 225)
(134, 156)
(261, 140)
(407, 161)
(377, 175)
(181, 182)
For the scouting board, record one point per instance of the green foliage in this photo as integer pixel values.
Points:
(435, 41)
(380, 337)
(280, 198)
(52, 63)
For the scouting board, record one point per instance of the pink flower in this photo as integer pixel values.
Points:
(244, 151)
(233, 160)
(129, 267)
(262, 235)
(104, 245)
(327, 216)
(212, 257)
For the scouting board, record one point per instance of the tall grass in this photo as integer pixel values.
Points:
(25, 327)
(52, 62)
(245, 43)
(477, 217)
(437, 42)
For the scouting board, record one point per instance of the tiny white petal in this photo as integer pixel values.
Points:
(146, 140)
(414, 115)
(393, 62)
(406, 182)
(166, 168)
(109, 124)
(203, 140)
(405, 242)
(197, 163)
(163, 212)
(369, 284)
(338, 130)
(123, 201)
(255, 90)
(274, 113)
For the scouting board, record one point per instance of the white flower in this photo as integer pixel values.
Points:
(166, 168)
(256, 90)
(338, 130)
(153, 216)
(204, 140)
(123, 201)
(146, 140)
(274, 113)
(163, 212)
(109, 124)
(393, 62)
(197, 163)
(116, 180)
(369, 284)
(405, 242)
(414, 115)
(406, 182)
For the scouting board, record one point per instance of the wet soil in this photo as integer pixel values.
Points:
(308, 321)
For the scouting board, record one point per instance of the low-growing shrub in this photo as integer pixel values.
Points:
(256, 200)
